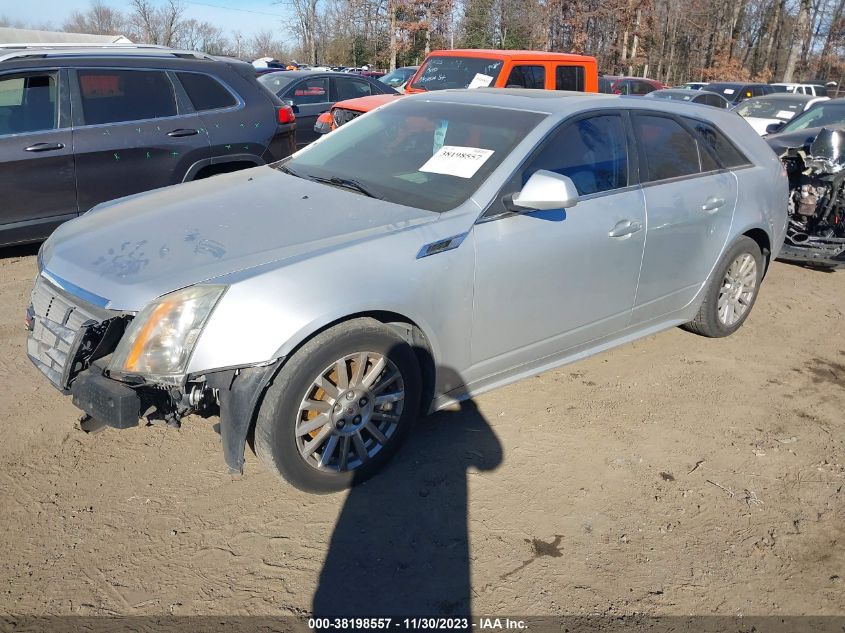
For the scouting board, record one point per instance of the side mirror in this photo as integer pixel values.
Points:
(292, 105)
(544, 191)
(771, 128)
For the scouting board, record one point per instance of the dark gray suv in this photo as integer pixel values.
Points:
(82, 126)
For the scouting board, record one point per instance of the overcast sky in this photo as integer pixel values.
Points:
(247, 16)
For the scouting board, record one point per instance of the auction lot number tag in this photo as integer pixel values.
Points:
(452, 160)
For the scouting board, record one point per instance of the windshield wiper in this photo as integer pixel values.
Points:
(346, 183)
(287, 170)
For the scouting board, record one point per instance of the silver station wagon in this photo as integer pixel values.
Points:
(437, 247)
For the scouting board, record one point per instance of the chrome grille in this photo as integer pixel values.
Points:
(57, 317)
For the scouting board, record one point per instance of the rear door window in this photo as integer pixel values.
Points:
(527, 77)
(113, 96)
(28, 103)
(569, 78)
(206, 93)
(314, 90)
(350, 88)
(669, 150)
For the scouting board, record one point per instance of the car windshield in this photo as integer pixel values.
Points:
(726, 90)
(780, 109)
(442, 72)
(397, 77)
(819, 115)
(276, 82)
(426, 155)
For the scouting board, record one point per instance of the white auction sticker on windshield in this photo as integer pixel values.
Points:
(451, 160)
(480, 81)
(784, 114)
(729, 91)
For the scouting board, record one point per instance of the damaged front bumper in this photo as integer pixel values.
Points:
(70, 340)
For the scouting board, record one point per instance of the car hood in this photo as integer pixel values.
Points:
(787, 140)
(127, 252)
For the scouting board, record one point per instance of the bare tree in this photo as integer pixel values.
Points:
(157, 24)
(99, 19)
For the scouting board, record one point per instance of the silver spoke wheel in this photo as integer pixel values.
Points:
(737, 291)
(350, 411)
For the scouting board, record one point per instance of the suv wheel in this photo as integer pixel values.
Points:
(731, 291)
(340, 407)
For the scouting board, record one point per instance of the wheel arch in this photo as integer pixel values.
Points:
(408, 328)
(763, 240)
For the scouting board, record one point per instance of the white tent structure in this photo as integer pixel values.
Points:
(30, 36)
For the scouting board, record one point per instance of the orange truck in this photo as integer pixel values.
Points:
(473, 68)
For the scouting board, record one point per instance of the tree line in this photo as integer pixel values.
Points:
(668, 40)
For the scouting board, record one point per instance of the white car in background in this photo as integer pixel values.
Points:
(762, 112)
(814, 90)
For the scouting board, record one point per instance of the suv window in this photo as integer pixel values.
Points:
(569, 78)
(527, 77)
(670, 151)
(113, 96)
(349, 88)
(314, 90)
(206, 93)
(591, 151)
(27, 103)
(710, 137)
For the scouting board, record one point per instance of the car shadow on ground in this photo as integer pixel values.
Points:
(401, 545)
(20, 250)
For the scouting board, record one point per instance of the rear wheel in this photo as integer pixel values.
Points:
(731, 291)
(340, 407)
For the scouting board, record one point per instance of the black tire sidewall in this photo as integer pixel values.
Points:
(743, 245)
(277, 418)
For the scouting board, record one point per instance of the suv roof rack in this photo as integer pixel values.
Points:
(17, 51)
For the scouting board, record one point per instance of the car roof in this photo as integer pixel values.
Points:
(679, 91)
(12, 52)
(506, 54)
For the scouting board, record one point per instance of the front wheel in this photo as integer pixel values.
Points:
(731, 291)
(340, 407)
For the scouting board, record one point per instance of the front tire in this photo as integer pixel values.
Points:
(339, 408)
(731, 291)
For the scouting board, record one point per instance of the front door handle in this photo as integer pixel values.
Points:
(183, 132)
(712, 204)
(45, 147)
(625, 228)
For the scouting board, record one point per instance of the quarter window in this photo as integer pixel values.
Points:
(527, 77)
(28, 103)
(670, 151)
(113, 96)
(569, 78)
(206, 93)
(591, 151)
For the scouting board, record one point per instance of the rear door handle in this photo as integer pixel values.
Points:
(45, 147)
(183, 132)
(712, 204)
(625, 228)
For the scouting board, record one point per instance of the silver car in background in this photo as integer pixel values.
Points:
(435, 248)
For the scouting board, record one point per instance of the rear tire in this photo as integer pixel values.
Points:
(731, 291)
(323, 432)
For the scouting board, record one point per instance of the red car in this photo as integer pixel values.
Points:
(637, 86)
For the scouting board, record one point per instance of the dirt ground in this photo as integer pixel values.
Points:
(677, 475)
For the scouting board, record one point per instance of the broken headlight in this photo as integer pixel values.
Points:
(158, 342)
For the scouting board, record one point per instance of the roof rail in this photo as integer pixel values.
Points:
(18, 51)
